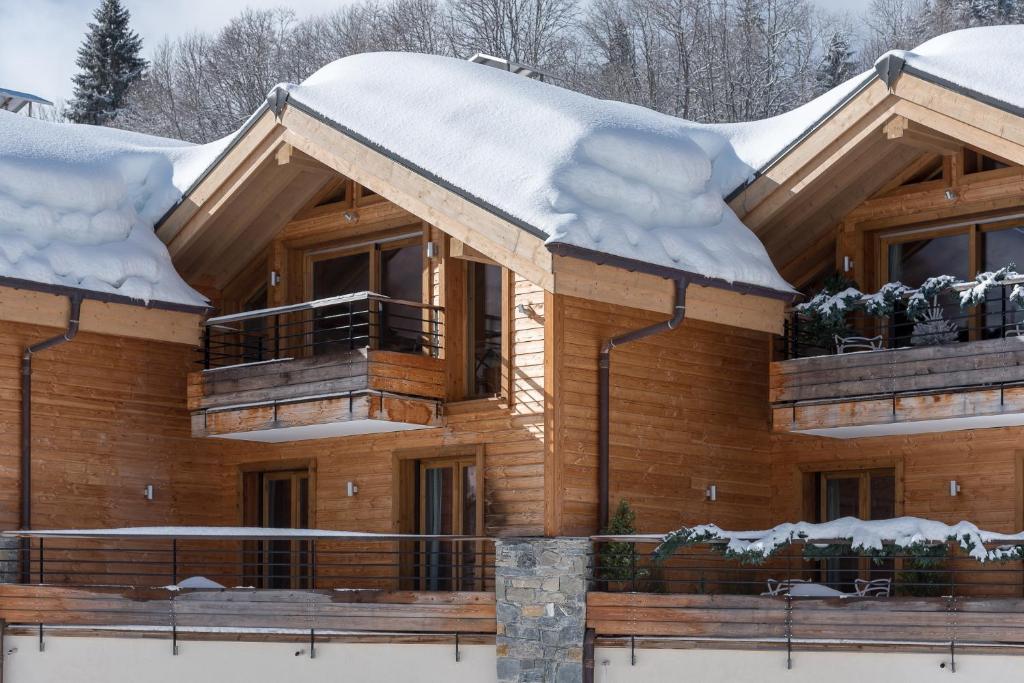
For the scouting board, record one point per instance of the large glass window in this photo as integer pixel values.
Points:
(401, 277)
(912, 261)
(1001, 247)
(343, 326)
(484, 322)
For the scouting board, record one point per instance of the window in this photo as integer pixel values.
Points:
(392, 267)
(254, 330)
(484, 321)
(911, 256)
(401, 277)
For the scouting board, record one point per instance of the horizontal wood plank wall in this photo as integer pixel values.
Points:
(108, 418)
(985, 462)
(406, 612)
(689, 409)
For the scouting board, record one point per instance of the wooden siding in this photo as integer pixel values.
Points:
(895, 622)
(688, 409)
(350, 371)
(403, 612)
(886, 372)
(108, 418)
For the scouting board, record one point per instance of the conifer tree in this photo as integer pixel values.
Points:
(837, 64)
(110, 61)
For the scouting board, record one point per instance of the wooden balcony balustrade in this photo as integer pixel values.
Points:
(697, 596)
(353, 364)
(239, 579)
(903, 376)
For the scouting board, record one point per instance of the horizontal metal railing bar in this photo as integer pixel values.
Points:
(316, 304)
(183, 533)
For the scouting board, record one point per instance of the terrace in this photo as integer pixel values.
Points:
(808, 594)
(903, 361)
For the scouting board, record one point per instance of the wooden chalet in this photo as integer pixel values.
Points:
(389, 354)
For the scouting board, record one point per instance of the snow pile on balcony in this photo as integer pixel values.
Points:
(601, 176)
(906, 533)
(78, 204)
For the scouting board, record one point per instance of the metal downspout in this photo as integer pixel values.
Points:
(604, 391)
(69, 333)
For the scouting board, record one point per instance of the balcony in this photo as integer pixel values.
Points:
(175, 581)
(950, 368)
(354, 364)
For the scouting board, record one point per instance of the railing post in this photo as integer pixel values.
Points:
(350, 325)
(206, 348)
(1002, 307)
(277, 337)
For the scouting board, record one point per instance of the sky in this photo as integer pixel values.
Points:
(40, 38)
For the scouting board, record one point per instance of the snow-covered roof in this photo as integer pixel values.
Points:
(14, 100)
(600, 176)
(78, 204)
(986, 63)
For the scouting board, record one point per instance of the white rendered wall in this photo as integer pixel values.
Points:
(73, 659)
(612, 665)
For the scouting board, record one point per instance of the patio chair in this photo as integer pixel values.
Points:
(776, 587)
(877, 588)
(847, 344)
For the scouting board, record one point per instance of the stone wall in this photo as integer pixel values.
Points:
(541, 590)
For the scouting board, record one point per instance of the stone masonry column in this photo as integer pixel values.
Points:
(541, 590)
(9, 570)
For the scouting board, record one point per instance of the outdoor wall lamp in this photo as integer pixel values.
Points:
(147, 492)
(951, 195)
(351, 489)
(350, 216)
(431, 249)
(954, 488)
(711, 493)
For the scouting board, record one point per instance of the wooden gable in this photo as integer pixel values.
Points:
(884, 142)
(284, 175)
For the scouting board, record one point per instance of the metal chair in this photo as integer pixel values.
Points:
(778, 588)
(847, 344)
(875, 588)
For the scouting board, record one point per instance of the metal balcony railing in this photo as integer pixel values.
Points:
(341, 323)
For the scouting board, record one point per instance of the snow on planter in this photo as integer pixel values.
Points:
(78, 204)
(603, 176)
(865, 536)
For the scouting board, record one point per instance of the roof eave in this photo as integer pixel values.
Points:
(603, 259)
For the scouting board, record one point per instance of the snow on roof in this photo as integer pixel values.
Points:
(14, 100)
(986, 60)
(601, 176)
(78, 204)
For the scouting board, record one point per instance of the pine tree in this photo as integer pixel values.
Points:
(110, 62)
(836, 66)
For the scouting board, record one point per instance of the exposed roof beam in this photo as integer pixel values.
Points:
(903, 130)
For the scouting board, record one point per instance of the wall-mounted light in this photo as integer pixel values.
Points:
(951, 195)
(275, 278)
(352, 489)
(147, 492)
(350, 216)
(525, 310)
(847, 264)
(431, 249)
(711, 493)
(954, 488)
